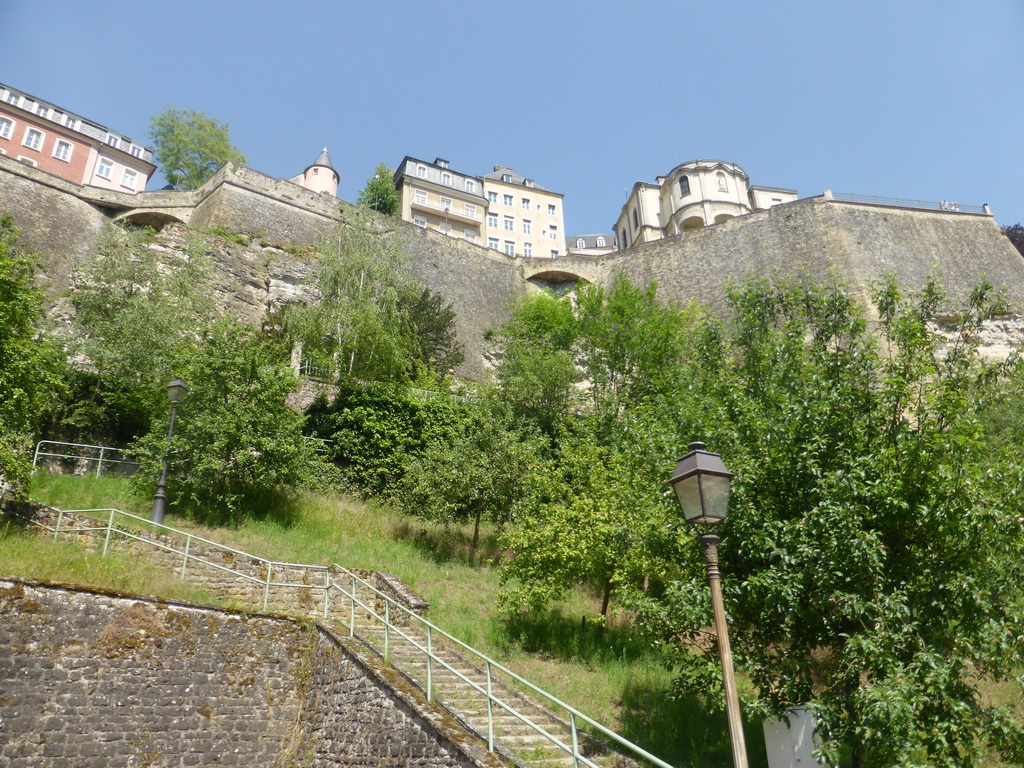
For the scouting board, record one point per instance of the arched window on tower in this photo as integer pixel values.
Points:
(684, 185)
(723, 186)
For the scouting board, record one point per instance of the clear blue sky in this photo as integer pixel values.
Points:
(897, 98)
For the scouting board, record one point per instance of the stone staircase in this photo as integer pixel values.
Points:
(514, 739)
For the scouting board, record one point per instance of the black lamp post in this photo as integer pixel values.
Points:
(176, 392)
(702, 485)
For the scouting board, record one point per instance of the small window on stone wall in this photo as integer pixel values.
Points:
(684, 185)
(723, 186)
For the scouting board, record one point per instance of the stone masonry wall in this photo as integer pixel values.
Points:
(101, 679)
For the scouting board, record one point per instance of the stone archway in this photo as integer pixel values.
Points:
(156, 219)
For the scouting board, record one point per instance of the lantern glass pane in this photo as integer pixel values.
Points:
(688, 493)
(716, 497)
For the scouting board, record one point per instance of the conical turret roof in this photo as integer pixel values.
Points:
(322, 159)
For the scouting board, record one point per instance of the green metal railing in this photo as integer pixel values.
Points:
(396, 619)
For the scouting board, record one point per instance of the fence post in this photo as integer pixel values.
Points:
(490, 712)
(184, 561)
(575, 740)
(352, 622)
(430, 666)
(387, 633)
(110, 529)
(99, 464)
(327, 592)
(60, 516)
(266, 588)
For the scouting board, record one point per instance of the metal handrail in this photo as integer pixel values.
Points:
(386, 621)
(100, 459)
(930, 205)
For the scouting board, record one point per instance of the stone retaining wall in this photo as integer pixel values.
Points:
(96, 678)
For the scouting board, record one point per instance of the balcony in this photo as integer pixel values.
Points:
(454, 212)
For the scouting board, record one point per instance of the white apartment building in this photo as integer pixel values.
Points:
(523, 218)
(433, 196)
(695, 194)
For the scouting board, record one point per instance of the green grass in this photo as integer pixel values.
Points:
(612, 677)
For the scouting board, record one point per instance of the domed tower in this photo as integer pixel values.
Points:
(321, 176)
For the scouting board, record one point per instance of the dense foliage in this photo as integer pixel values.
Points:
(30, 366)
(190, 146)
(380, 194)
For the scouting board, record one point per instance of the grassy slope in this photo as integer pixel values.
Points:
(614, 679)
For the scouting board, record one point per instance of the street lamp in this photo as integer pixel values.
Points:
(702, 485)
(176, 392)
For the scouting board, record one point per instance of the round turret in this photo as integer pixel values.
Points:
(321, 176)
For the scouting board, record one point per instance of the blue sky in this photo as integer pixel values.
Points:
(897, 98)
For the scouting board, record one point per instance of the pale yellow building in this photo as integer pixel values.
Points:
(696, 194)
(502, 210)
(433, 196)
(523, 218)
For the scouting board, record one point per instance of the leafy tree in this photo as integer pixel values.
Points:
(1015, 233)
(487, 468)
(628, 341)
(136, 311)
(537, 372)
(372, 320)
(430, 325)
(30, 366)
(190, 146)
(235, 436)
(380, 194)
(872, 555)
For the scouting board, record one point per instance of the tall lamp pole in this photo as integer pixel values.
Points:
(176, 392)
(702, 485)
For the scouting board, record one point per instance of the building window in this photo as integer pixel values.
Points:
(470, 237)
(419, 221)
(510, 248)
(723, 186)
(492, 197)
(507, 178)
(528, 250)
(71, 122)
(6, 127)
(446, 179)
(553, 232)
(446, 204)
(551, 209)
(137, 152)
(470, 185)
(420, 196)
(526, 203)
(444, 228)
(106, 169)
(470, 210)
(114, 141)
(492, 220)
(510, 224)
(492, 242)
(527, 227)
(600, 242)
(27, 161)
(421, 171)
(43, 112)
(13, 99)
(128, 178)
(554, 253)
(62, 150)
(33, 139)
(506, 199)
(636, 218)
(684, 185)
(580, 242)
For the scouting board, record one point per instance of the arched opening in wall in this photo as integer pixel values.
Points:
(555, 282)
(693, 222)
(155, 219)
(722, 217)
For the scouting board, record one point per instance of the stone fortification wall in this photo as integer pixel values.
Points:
(101, 679)
(857, 242)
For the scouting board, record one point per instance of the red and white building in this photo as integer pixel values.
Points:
(50, 138)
